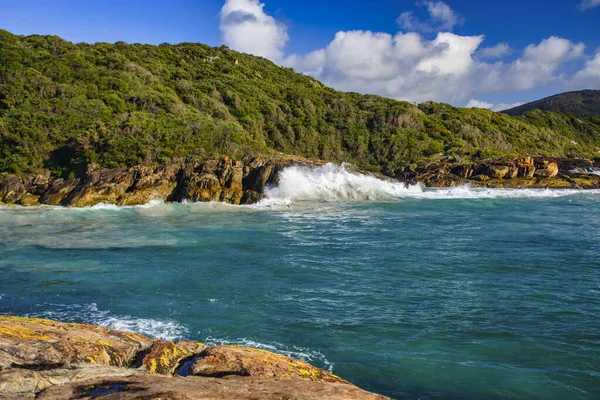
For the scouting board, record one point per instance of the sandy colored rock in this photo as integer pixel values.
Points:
(58, 191)
(546, 170)
(497, 171)
(12, 189)
(225, 361)
(43, 359)
(141, 386)
(165, 357)
(25, 383)
(43, 344)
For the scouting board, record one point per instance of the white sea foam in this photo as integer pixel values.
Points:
(586, 170)
(332, 183)
(300, 353)
(162, 329)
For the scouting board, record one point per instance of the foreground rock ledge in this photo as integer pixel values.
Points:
(45, 359)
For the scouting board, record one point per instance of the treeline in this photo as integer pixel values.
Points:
(64, 106)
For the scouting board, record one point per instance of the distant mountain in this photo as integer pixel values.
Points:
(583, 102)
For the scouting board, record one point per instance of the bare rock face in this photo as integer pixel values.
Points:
(144, 386)
(43, 344)
(228, 361)
(497, 171)
(12, 189)
(58, 191)
(546, 169)
(43, 359)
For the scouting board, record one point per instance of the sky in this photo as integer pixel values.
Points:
(487, 54)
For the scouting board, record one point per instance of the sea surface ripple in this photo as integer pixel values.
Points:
(414, 293)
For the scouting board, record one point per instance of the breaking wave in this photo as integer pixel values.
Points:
(586, 171)
(90, 314)
(332, 183)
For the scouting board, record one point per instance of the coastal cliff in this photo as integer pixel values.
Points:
(236, 182)
(45, 359)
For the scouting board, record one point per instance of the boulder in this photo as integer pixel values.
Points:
(58, 191)
(546, 169)
(43, 344)
(497, 171)
(463, 171)
(101, 187)
(224, 361)
(12, 189)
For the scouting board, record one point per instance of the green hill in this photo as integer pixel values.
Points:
(64, 106)
(583, 102)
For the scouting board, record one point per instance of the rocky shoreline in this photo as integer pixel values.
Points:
(236, 182)
(44, 359)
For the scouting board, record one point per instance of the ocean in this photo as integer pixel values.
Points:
(456, 293)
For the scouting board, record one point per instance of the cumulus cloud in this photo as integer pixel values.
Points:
(404, 66)
(407, 66)
(589, 76)
(246, 27)
(498, 51)
(553, 50)
(441, 18)
(587, 4)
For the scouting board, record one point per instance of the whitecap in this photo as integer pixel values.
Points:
(334, 183)
(586, 171)
(89, 313)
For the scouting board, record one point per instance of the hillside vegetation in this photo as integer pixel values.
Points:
(583, 102)
(64, 106)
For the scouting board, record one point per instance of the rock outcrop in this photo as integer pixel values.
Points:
(524, 172)
(45, 359)
(236, 182)
(228, 181)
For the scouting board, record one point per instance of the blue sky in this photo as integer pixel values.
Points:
(410, 50)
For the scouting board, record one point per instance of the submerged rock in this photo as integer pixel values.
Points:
(44, 359)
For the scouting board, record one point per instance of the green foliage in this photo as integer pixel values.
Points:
(64, 106)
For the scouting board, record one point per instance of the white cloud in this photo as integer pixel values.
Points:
(589, 76)
(498, 51)
(454, 59)
(407, 66)
(246, 27)
(587, 4)
(441, 18)
(553, 50)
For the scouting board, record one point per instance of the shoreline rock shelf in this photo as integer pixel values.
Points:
(45, 359)
(236, 182)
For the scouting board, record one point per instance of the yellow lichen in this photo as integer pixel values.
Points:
(22, 333)
(153, 365)
(103, 343)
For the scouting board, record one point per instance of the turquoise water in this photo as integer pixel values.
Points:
(416, 294)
